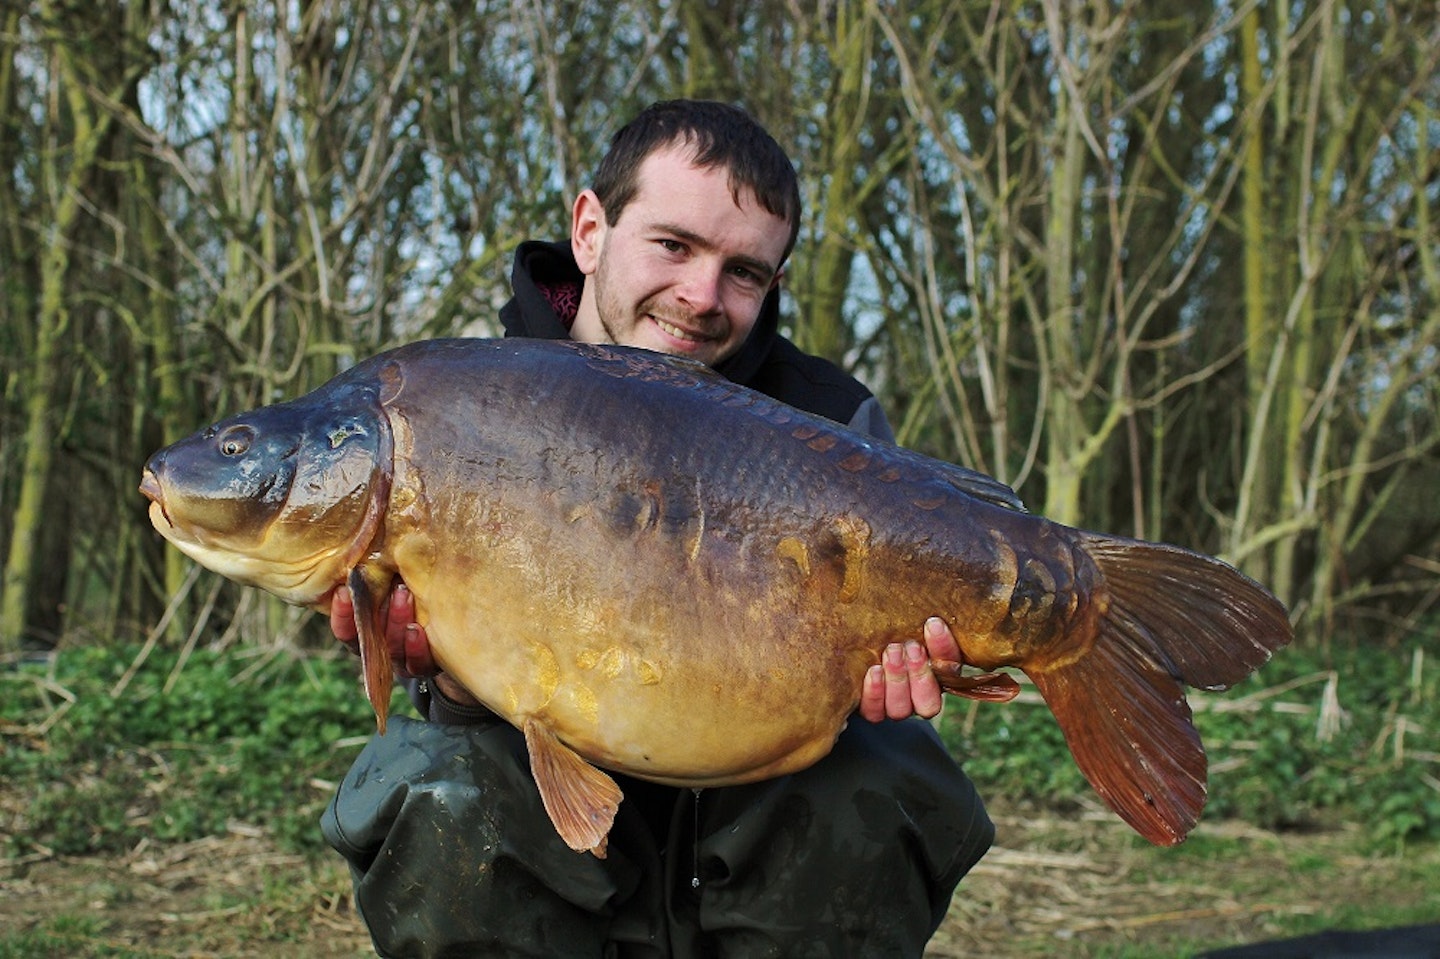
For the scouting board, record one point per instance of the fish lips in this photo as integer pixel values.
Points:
(151, 489)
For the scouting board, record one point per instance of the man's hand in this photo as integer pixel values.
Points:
(409, 646)
(406, 639)
(904, 685)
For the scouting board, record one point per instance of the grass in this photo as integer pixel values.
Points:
(65, 937)
(233, 737)
(1108, 894)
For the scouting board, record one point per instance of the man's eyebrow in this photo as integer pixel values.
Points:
(764, 270)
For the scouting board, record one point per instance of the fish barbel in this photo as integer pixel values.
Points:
(651, 570)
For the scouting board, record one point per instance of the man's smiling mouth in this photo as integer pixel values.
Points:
(671, 329)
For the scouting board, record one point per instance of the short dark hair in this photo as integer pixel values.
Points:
(722, 136)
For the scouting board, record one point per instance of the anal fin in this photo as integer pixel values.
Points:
(580, 799)
(988, 687)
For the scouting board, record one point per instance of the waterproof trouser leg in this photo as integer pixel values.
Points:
(452, 854)
(856, 856)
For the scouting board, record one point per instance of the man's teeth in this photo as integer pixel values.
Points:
(675, 331)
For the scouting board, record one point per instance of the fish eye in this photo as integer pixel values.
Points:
(236, 441)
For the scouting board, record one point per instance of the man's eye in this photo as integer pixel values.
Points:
(672, 246)
(750, 278)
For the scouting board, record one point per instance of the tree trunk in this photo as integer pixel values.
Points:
(42, 392)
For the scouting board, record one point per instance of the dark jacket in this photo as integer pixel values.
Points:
(546, 284)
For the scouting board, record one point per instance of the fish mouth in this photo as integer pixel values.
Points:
(150, 487)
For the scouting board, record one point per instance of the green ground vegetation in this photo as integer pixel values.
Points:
(237, 736)
(258, 737)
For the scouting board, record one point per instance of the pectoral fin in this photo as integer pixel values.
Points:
(369, 586)
(580, 799)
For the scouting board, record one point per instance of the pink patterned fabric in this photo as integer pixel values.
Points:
(564, 299)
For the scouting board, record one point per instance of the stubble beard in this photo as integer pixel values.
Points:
(620, 324)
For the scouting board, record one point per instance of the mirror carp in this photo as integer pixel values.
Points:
(652, 570)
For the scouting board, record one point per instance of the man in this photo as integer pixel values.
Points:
(679, 247)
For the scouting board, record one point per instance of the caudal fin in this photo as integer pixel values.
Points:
(1171, 618)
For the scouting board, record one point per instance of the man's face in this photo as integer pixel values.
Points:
(685, 270)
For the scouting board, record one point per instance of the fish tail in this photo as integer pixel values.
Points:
(368, 587)
(1162, 618)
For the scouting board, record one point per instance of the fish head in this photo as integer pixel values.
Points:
(287, 497)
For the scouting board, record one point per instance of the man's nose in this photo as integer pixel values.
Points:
(700, 288)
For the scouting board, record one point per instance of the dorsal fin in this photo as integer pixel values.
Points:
(979, 485)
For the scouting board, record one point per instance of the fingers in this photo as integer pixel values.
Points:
(398, 609)
(910, 687)
(925, 695)
(409, 646)
(398, 617)
(940, 642)
(415, 658)
(897, 682)
(342, 616)
(872, 695)
(904, 684)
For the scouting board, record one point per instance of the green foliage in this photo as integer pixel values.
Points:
(236, 738)
(252, 738)
(1291, 760)
(1305, 741)
(67, 937)
(1015, 751)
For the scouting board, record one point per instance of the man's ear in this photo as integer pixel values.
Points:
(775, 280)
(587, 230)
